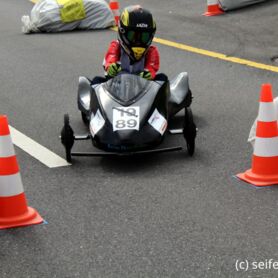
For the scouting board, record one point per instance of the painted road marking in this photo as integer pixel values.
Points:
(217, 55)
(45, 156)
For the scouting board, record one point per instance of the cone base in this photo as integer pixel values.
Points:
(213, 14)
(213, 10)
(258, 180)
(31, 217)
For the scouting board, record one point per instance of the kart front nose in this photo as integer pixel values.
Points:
(127, 139)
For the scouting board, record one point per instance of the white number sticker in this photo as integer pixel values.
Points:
(126, 118)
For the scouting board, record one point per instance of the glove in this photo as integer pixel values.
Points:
(113, 69)
(146, 74)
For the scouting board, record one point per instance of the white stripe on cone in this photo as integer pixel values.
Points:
(267, 112)
(266, 147)
(11, 185)
(6, 146)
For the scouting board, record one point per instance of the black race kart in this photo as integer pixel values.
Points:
(128, 115)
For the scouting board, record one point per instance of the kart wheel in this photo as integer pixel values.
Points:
(188, 98)
(189, 131)
(85, 118)
(67, 137)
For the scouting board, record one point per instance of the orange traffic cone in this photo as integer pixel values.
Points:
(115, 7)
(213, 8)
(13, 205)
(264, 169)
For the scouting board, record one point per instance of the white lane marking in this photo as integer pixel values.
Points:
(45, 156)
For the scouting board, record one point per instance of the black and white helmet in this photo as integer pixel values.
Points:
(136, 31)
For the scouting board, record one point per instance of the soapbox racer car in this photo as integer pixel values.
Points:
(128, 115)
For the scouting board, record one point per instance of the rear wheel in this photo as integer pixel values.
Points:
(85, 118)
(67, 137)
(189, 131)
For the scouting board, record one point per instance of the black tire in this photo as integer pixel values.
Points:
(188, 98)
(67, 137)
(85, 118)
(189, 131)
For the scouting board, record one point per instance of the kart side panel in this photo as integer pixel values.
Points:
(84, 93)
(179, 89)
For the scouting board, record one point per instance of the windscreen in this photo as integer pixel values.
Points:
(127, 87)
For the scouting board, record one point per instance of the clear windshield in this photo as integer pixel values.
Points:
(126, 87)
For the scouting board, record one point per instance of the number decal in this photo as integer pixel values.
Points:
(120, 124)
(131, 123)
(126, 118)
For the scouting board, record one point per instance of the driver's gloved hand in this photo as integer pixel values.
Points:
(146, 74)
(113, 69)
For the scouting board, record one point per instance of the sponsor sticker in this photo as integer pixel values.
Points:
(158, 122)
(96, 123)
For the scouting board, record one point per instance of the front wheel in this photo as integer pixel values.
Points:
(189, 131)
(67, 137)
(188, 98)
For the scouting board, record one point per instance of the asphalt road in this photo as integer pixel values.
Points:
(161, 216)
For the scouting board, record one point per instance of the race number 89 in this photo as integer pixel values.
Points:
(126, 118)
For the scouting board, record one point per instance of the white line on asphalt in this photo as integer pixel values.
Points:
(45, 156)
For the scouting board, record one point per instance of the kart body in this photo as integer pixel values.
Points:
(129, 115)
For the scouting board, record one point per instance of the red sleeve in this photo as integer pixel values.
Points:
(152, 60)
(112, 55)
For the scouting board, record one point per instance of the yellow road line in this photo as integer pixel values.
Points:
(208, 53)
(216, 55)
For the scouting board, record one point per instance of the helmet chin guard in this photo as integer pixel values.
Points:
(138, 52)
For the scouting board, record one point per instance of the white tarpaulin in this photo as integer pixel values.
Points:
(66, 15)
(234, 4)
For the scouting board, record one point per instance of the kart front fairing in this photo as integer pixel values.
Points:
(128, 113)
(126, 88)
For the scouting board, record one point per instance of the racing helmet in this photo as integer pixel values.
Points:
(136, 31)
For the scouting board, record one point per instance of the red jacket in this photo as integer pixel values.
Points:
(151, 57)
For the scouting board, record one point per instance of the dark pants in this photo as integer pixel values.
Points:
(161, 77)
(99, 80)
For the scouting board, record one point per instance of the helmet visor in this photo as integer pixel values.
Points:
(138, 37)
